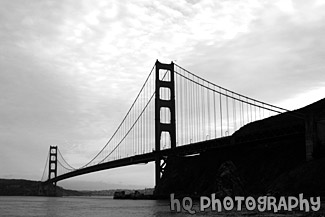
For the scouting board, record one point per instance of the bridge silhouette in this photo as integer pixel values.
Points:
(176, 113)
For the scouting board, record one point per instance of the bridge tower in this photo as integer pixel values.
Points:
(48, 188)
(169, 104)
(53, 162)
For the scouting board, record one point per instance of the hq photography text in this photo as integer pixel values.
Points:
(261, 204)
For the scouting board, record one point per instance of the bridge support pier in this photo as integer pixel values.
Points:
(310, 136)
(314, 136)
(164, 79)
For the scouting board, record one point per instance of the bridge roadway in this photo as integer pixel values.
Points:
(253, 138)
(189, 149)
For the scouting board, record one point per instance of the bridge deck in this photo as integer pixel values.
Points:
(148, 157)
(252, 139)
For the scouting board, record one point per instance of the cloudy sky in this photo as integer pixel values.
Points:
(69, 70)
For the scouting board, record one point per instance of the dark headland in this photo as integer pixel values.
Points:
(268, 158)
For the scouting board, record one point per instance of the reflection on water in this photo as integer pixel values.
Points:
(103, 206)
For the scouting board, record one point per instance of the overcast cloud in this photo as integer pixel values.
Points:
(69, 70)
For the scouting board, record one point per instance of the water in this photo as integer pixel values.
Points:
(80, 206)
(104, 207)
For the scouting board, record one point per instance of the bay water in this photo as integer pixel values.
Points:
(22, 206)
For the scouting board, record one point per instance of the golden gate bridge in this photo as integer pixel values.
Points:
(175, 113)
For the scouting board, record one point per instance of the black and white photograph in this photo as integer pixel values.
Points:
(115, 108)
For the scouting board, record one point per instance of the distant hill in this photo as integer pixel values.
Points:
(18, 187)
(21, 187)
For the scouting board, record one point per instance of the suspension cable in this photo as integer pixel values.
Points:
(64, 166)
(234, 97)
(47, 160)
(228, 89)
(127, 133)
(122, 120)
(65, 160)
